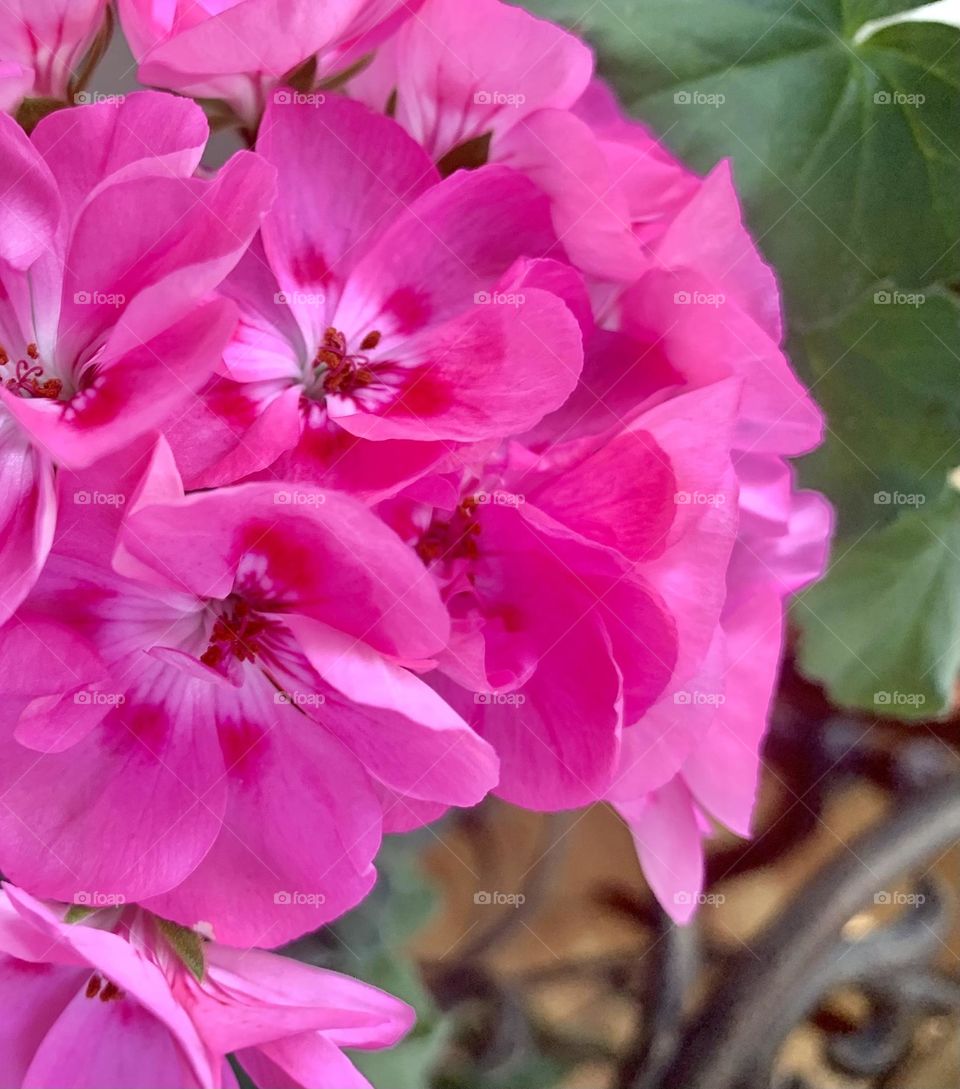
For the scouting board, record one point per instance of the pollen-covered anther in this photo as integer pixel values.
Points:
(235, 635)
(340, 371)
(104, 989)
(453, 538)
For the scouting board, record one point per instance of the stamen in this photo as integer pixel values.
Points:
(234, 635)
(340, 371)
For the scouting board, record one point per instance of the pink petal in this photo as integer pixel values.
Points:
(28, 514)
(344, 174)
(320, 553)
(31, 208)
(669, 843)
(301, 827)
(399, 729)
(154, 742)
(113, 141)
(463, 72)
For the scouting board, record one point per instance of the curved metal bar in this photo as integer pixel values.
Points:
(763, 994)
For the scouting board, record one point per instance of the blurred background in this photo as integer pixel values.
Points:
(827, 952)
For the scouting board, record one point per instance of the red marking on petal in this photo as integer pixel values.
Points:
(150, 725)
(240, 743)
(409, 308)
(310, 267)
(423, 395)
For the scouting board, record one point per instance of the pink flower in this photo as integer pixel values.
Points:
(374, 293)
(239, 50)
(489, 82)
(41, 45)
(121, 998)
(558, 568)
(106, 321)
(695, 754)
(218, 724)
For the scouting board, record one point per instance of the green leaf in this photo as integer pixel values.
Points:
(883, 631)
(846, 153)
(187, 944)
(887, 375)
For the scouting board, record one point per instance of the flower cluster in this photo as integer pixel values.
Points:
(434, 446)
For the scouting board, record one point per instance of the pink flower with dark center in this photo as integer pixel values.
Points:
(224, 715)
(107, 323)
(119, 997)
(387, 317)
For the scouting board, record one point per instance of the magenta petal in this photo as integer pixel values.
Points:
(321, 553)
(34, 995)
(669, 841)
(132, 393)
(344, 174)
(31, 209)
(299, 834)
(143, 133)
(402, 732)
(154, 742)
(300, 1063)
(28, 514)
(143, 1051)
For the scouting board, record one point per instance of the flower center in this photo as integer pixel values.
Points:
(453, 538)
(236, 634)
(27, 379)
(338, 371)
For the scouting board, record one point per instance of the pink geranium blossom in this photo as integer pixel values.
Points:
(108, 1002)
(387, 318)
(239, 50)
(41, 45)
(107, 324)
(214, 723)
(489, 80)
